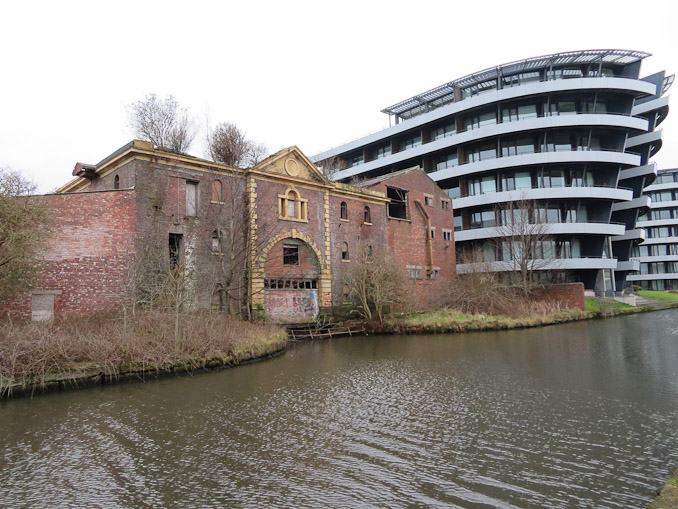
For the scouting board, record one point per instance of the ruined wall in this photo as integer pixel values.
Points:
(407, 237)
(87, 254)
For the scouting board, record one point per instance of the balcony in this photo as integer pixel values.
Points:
(588, 228)
(593, 263)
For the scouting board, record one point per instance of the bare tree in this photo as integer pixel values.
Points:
(23, 222)
(376, 282)
(330, 166)
(525, 243)
(163, 122)
(229, 145)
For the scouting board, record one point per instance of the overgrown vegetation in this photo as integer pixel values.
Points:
(23, 222)
(32, 354)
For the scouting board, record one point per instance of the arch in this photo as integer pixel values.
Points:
(367, 215)
(116, 182)
(345, 256)
(261, 259)
(216, 241)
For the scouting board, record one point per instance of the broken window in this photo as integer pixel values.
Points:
(433, 233)
(116, 182)
(368, 216)
(219, 298)
(216, 191)
(290, 253)
(397, 208)
(344, 252)
(343, 210)
(447, 235)
(176, 250)
(428, 200)
(191, 198)
(445, 204)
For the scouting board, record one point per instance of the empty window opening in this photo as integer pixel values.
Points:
(445, 204)
(290, 284)
(397, 208)
(191, 198)
(216, 241)
(433, 233)
(368, 216)
(176, 250)
(447, 235)
(428, 200)
(343, 210)
(216, 191)
(219, 298)
(344, 252)
(290, 254)
(116, 182)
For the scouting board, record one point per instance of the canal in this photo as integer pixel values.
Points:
(582, 414)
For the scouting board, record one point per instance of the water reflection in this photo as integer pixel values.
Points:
(578, 414)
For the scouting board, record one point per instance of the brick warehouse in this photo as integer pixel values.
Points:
(278, 236)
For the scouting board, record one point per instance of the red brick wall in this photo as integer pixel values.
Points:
(571, 295)
(87, 254)
(407, 238)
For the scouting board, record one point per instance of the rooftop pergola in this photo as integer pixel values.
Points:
(445, 93)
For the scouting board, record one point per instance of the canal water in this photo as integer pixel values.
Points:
(575, 415)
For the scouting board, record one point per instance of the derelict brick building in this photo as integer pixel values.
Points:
(277, 237)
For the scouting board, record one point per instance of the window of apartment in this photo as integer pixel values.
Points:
(447, 161)
(480, 120)
(428, 200)
(444, 131)
(343, 211)
(292, 207)
(665, 178)
(553, 178)
(411, 142)
(521, 79)
(662, 196)
(397, 208)
(661, 214)
(484, 185)
(514, 181)
(345, 257)
(367, 216)
(290, 253)
(116, 182)
(383, 151)
(176, 250)
(513, 113)
(482, 153)
(517, 147)
(216, 191)
(191, 198)
(444, 204)
(216, 242)
(484, 219)
(355, 159)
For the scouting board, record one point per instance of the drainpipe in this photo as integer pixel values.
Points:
(429, 245)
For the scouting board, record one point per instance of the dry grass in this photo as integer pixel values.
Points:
(32, 353)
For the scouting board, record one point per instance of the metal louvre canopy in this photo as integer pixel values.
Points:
(444, 94)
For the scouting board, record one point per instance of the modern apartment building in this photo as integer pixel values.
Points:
(658, 254)
(571, 134)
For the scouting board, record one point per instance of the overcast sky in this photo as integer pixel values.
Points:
(312, 74)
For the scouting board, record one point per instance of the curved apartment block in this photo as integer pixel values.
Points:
(657, 256)
(569, 135)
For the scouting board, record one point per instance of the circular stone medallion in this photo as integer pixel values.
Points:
(292, 167)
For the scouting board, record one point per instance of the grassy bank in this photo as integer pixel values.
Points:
(450, 320)
(660, 296)
(77, 351)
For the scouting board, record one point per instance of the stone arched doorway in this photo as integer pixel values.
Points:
(291, 274)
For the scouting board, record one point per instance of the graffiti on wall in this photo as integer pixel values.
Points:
(291, 305)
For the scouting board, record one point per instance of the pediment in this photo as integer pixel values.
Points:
(291, 163)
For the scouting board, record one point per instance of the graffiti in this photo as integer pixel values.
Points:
(292, 305)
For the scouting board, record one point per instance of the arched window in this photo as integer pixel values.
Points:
(216, 191)
(343, 210)
(292, 207)
(344, 252)
(368, 216)
(116, 182)
(216, 242)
